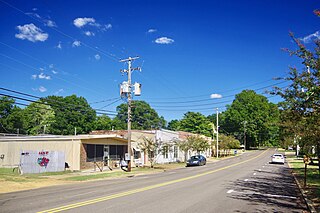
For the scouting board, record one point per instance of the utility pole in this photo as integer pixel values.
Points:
(244, 135)
(129, 97)
(217, 133)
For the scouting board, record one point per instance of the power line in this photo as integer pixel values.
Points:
(74, 107)
(111, 56)
(43, 62)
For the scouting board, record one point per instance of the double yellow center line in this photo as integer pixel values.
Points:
(134, 191)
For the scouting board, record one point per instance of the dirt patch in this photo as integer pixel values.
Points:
(10, 186)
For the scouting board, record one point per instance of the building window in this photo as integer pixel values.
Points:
(165, 151)
(175, 152)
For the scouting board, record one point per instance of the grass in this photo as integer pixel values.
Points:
(109, 174)
(8, 174)
(313, 177)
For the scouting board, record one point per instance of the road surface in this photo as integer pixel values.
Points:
(247, 183)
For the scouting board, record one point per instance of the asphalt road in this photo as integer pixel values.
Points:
(247, 183)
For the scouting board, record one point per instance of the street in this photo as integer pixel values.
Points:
(246, 183)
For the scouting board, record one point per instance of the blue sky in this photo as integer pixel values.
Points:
(188, 50)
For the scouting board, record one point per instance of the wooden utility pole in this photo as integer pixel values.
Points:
(129, 98)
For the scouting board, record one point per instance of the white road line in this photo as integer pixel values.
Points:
(267, 195)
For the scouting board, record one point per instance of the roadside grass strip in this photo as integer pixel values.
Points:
(134, 191)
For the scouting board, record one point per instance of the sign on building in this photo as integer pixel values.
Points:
(42, 161)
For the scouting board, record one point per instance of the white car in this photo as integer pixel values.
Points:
(277, 158)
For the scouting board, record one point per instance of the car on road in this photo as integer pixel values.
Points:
(196, 160)
(277, 158)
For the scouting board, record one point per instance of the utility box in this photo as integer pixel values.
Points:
(124, 88)
(137, 89)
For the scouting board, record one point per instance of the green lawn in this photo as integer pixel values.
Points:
(313, 177)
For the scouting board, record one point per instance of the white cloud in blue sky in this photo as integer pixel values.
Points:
(97, 57)
(152, 30)
(47, 22)
(76, 44)
(59, 46)
(81, 22)
(40, 89)
(89, 33)
(31, 33)
(215, 96)
(164, 40)
(44, 76)
(311, 37)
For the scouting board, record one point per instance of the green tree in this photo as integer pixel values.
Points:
(103, 122)
(149, 147)
(253, 115)
(174, 125)
(142, 115)
(301, 108)
(198, 143)
(71, 112)
(15, 122)
(197, 123)
(38, 118)
(6, 107)
(228, 142)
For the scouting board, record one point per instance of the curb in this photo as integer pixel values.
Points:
(306, 199)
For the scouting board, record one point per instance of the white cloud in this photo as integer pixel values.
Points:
(152, 30)
(311, 37)
(44, 76)
(34, 77)
(89, 33)
(47, 22)
(81, 22)
(54, 72)
(107, 26)
(50, 23)
(42, 89)
(164, 40)
(51, 66)
(76, 44)
(97, 57)
(34, 9)
(215, 96)
(31, 33)
(59, 46)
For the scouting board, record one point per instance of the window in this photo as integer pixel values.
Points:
(175, 152)
(165, 151)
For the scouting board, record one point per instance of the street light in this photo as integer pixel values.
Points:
(217, 96)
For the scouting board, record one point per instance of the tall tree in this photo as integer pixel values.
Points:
(174, 125)
(197, 123)
(103, 122)
(142, 115)
(302, 97)
(38, 117)
(11, 117)
(71, 113)
(252, 115)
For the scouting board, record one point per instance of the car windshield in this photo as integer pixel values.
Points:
(195, 158)
(277, 155)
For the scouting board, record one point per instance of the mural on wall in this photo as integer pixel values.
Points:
(42, 161)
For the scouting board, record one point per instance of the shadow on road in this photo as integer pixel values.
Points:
(276, 190)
